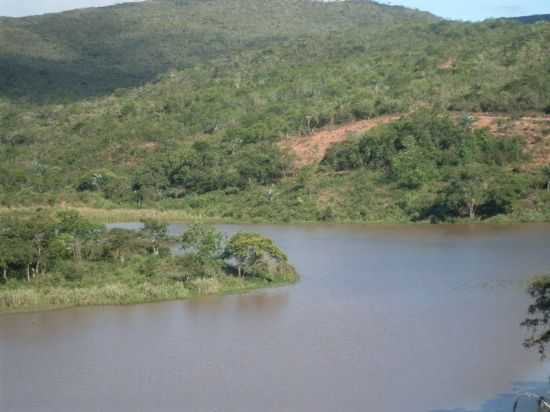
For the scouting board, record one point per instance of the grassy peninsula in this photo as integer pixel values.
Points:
(252, 111)
(58, 260)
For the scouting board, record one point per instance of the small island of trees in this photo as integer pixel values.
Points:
(54, 260)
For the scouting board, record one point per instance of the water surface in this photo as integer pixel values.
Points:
(410, 318)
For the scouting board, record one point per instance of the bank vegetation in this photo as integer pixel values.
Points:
(52, 260)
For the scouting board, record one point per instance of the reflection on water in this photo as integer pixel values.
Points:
(265, 302)
(415, 318)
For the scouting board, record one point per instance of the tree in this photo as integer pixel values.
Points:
(538, 320)
(377, 148)
(121, 243)
(466, 192)
(343, 156)
(22, 245)
(6, 251)
(38, 231)
(204, 241)
(412, 166)
(137, 189)
(156, 231)
(546, 174)
(255, 254)
(75, 232)
(14, 255)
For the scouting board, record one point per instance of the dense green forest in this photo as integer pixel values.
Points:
(184, 105)
(51, 260)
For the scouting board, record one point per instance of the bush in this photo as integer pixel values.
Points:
(343, 156)
(256, 255)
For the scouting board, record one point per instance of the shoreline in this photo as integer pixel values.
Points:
(249, 286)
(127, 215)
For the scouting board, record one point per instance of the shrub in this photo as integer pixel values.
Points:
(256, 255)
(343, 156)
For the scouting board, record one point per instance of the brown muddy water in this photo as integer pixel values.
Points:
(409, 318)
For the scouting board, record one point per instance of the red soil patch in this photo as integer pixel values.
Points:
(535, 129)
(312, 148)
(448, 65)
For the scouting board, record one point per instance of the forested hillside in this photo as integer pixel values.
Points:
(94, 51)
(186, 105)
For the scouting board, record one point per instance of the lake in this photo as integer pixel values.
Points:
(385, 318)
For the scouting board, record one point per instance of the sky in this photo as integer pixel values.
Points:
(478, 9)
(452, 9)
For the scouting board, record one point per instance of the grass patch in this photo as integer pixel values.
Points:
(98, 215)
(35, 296)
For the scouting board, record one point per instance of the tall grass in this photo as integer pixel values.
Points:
(27, 297)
(111, 294)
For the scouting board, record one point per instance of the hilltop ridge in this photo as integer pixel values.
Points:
(87, 52)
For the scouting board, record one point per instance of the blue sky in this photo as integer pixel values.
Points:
(18, 8)
(460, 10)
(478, 9)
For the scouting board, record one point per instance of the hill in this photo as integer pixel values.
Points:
(92, 52)
(104, 121)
